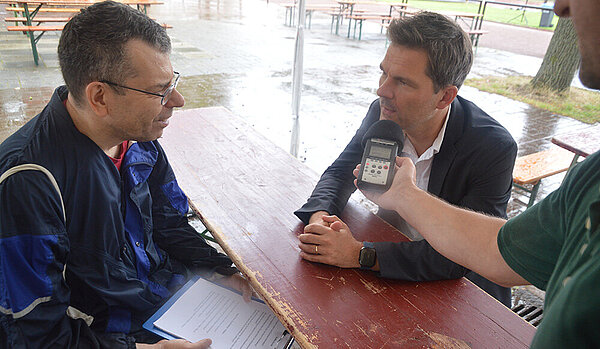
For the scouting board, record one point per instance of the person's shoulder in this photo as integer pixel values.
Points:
(594, 160)
(369, 119)
(38, 139)
(16, 148)
(586, 173)
(480, 126)
(152, 151)
(374, 110)
(474, 116)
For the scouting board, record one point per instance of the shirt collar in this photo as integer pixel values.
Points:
(437, 143)
(435, 147)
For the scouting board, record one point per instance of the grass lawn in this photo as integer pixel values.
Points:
(580, 104)
(493, 12)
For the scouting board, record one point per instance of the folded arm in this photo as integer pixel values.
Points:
(335, 186)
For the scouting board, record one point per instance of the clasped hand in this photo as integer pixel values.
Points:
(330, 241)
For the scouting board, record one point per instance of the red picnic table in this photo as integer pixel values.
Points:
(582, 143)
(245, 189)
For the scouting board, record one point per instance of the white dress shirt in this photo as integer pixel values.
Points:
(423, 169)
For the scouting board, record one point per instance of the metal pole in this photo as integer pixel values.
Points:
(297, 79)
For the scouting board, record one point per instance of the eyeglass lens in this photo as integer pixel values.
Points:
(169, 91)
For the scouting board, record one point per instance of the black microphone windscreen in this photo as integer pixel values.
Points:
(385, 129)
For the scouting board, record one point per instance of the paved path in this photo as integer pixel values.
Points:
(519, 40)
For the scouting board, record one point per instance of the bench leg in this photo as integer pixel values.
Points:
(331, 27)
(34, 48)
(532, 192)
(533, 195)
(573, 163)
(349, 26)
(360, 31)
(31, 35)
(286, 17)
(206, 235)
(477, 42)
(143, 8)
(291, 12)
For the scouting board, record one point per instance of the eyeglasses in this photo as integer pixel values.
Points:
(165, 96)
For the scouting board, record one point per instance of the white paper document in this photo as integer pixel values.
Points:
(207, 310)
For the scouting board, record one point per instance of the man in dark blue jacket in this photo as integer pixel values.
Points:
(93, 229)
(461, 154)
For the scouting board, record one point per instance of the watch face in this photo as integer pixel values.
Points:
(367, 257)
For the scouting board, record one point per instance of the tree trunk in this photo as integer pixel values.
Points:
(561, 59)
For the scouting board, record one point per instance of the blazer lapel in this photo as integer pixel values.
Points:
(444, 158)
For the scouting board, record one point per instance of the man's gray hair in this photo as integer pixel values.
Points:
(448, 47)
(92, 44)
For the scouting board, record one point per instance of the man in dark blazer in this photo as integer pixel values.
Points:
(461, 154)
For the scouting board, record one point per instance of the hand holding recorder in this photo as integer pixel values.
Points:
(382, 141)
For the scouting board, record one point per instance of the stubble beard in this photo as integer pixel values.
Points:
(588, 76)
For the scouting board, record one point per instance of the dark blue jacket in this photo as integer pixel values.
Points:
(126, 245)
(473, 169)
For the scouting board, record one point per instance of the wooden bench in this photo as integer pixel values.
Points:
(37, 19)
(32, 29)
(52, 19)
(290, 12)
(325, 9)
(371, 11)
(38, 28)
(338, 16)
(360, 18)
(474, 34)
(35, 28)
(531, 169)
(47, 10)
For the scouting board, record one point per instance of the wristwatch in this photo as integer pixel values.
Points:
(367, 256)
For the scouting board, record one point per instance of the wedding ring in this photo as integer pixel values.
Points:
(316, 249)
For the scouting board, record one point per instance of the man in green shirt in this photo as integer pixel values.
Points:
(555, 245)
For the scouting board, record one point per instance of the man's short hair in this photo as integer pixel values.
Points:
(92, 44)
(448, 47)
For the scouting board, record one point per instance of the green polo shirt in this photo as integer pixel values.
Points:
(555, 245)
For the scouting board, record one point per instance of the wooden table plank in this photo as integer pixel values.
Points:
(582, 143)
(245, 189)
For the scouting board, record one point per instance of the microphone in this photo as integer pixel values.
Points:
(381, 143)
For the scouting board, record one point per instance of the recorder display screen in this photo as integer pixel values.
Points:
(380, 152)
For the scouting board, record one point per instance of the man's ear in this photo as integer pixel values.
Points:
(96, 97)
(447, 95)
